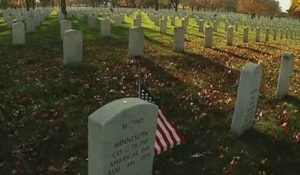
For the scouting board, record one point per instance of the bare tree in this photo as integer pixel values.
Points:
(175, 4)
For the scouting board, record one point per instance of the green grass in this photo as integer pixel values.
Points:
(44, 107)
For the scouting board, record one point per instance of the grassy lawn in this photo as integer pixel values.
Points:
(44, 107)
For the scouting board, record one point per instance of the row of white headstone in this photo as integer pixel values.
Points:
(214, 17)
(122, 133)
(32, 19)
(211, 28)
(218, 17)
(136, 36)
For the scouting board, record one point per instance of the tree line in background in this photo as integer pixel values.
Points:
(253, 7)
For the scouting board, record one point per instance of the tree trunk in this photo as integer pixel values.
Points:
(114, 3)
(156, 4)
(4, 4)
(27, 5)
(63, 6)
(33, 4)
(93, 4)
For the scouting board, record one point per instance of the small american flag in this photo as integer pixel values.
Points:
(167, 134)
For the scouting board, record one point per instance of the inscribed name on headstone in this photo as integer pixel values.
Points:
(247, 96)
(286, 69)
(122, 137)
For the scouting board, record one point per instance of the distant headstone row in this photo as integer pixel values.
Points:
(23, 22)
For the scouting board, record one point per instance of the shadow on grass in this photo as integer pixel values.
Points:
(157, 42)
(273, 151)
(292, 100)
(232, 54)
(170, 94)
(192, 34)
(253, 50)
(157, 32)
(267, 44)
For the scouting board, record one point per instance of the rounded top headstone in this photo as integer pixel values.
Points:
(108, 111)
(252, 68)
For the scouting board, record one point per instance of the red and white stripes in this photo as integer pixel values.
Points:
(167, 135)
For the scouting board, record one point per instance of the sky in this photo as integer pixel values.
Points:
(285, 4)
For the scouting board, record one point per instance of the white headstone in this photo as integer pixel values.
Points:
(178, 39)
(9, 22)
(201, 25)
(18, 33)
(286, 69)
(184, 24)
(216, 25)
(118, 21)
(92, 21)
(267, 37)
(105, 27)
(163, 26)
(61, 16)
(173, 19)
(72, 47)
(208, 37)
(275, 34)
(247, 96)
(257, 35)
(236, 27)
(121, 138)
(137, 22)
(281, 34)
(136, 42)
(30, 25)
(246, 35)
(226, 25)
(230, 33)
(64, 26)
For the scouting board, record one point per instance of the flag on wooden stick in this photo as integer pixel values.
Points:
(167, 134)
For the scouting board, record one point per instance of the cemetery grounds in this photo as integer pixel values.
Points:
(44, 106)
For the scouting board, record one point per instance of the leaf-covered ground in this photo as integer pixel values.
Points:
(44, 107)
